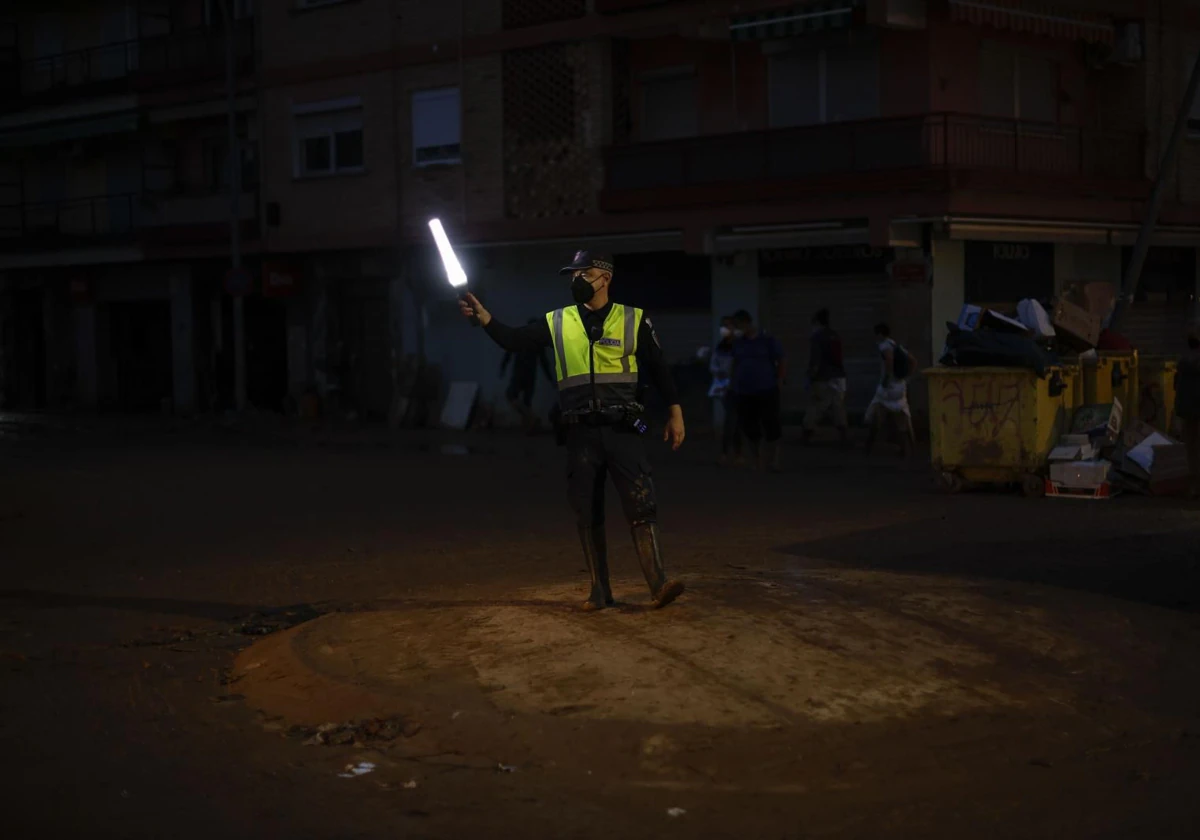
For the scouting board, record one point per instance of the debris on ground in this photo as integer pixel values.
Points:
(272, 621)
(507, 768)
(360, 769)
(411, 784)
(675, 812)
(355, 732)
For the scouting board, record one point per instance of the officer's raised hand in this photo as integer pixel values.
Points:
(674, 431)
(470, 307)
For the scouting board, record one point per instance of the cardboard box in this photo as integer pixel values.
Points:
(1098, 421)
(1082, 475)
(1076, 323)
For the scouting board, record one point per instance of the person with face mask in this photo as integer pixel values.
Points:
(599, 347)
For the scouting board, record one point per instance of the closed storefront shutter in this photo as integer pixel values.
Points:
(852, 283)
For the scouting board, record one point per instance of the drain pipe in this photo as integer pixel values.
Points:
(1133, 274)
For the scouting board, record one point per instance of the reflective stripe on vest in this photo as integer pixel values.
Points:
(615, 373)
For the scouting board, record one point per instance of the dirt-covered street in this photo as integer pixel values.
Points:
(272, 633)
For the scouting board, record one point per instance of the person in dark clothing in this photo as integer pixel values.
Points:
(1187, 406)
(600, 347)
(724, 399)
(758, 374)
(827, 380)
(524, 379)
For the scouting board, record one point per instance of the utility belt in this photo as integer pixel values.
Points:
(626, 417)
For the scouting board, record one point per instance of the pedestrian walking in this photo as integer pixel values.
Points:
(890, 404)
(724, 400)
(759, 369)
(599, 349)
(1187, 406)
(524, 380)
(827, 380)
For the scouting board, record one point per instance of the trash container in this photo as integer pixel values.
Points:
(1112, 373)
(1156, 395)
(997, 425)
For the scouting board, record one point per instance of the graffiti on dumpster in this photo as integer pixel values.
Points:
(988, 408)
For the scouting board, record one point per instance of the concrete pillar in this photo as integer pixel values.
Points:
(86, 365)
(183, 340)
(949, 289)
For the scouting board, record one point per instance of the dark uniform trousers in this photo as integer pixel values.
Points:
(593, 452)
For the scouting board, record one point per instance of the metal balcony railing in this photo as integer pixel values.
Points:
(121, 218)
(927, 142)
(145, 62)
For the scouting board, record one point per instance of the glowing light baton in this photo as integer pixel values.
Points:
(454, 269)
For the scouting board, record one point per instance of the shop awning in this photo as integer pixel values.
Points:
(1035, 18)
(791, 21)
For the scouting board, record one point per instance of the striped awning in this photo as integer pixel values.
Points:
(798, 19)
(1035, 18)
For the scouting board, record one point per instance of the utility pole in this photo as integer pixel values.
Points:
(235, 222)
(1133, 274)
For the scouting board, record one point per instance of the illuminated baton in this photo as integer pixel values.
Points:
(454, 269)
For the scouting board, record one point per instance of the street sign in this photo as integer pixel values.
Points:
(278, 281)
(239, 281)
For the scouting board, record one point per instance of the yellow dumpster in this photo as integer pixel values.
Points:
(998, 425)
(1113, 373)
(1156, 395)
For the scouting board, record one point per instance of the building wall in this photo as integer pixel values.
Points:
(339, 210)
(292, 36)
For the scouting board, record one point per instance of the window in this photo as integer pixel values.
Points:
(329, 137)
(1018, 85)
(833, 84)
(216, 163)
(436, 127)
(668, 105)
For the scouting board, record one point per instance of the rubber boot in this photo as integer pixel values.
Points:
(595, 552)
(649, 552)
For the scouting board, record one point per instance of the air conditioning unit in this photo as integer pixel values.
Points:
(1128, 43)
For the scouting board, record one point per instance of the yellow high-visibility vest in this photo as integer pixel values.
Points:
(599, 374)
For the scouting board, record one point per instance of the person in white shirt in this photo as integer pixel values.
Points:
(891, 395)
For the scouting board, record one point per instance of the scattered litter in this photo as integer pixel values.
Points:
(124, 794)
(507, 768)
(360, 769)
(266, 623)
(455, 715)
(411, 784)
(1041, 762)
(355, 732)
(675, 812)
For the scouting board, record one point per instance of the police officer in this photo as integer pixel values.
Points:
(599, 347)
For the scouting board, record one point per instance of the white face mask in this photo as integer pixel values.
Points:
(726, 332)
(738, 333)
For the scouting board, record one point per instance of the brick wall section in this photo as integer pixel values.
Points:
(422, 21)
(356, 210)
(430, 190)
(342, 30)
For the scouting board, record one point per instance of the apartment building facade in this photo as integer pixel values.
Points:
(887, 159)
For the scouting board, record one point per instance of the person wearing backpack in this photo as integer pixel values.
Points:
(891, 396)
(827, 380)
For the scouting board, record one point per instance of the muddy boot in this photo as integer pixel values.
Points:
(649, 552)
(595, 552)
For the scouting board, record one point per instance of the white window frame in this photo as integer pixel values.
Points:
(330, 106)
(428, 95)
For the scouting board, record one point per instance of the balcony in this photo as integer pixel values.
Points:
(126, 219)
(143, 64)
(936, 151)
